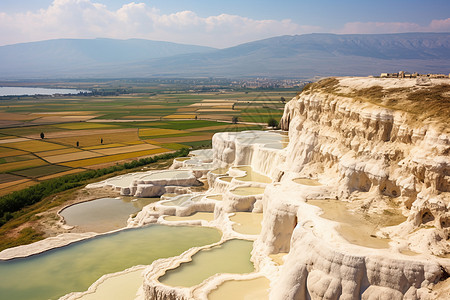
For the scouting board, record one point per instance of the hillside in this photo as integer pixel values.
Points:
(300, 56)
(75, 58)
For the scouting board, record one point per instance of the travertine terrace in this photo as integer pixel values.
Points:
(383, 162)
(354, 201)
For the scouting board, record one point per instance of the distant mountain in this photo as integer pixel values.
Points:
(80, 57)
(300, 56)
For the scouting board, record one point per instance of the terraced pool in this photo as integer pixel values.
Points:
(57, 272)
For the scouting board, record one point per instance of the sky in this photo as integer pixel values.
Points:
(213, 23)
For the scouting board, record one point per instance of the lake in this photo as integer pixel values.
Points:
(29, 91)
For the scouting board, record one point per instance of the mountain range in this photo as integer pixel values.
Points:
(300, 56)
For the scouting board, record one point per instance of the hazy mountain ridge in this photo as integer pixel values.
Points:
(62, 56)
(301, 56)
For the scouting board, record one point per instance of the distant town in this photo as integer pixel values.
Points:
(403, 74)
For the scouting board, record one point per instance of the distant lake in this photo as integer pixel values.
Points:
(21, 91)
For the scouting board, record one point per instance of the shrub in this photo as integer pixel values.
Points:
(14, 202)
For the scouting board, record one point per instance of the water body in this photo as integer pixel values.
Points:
(197, 216)
(104, 214)
(251, 289)
(252, 175)
(247, 222)
(307, 181)
(124, 286)
(73, 268)
(28, 91)
(232, 256)
(357, 228)
(248, 191)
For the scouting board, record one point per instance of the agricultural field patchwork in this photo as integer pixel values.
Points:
(35, 146)
(93, 162)
(42, 171)
(82, 133)
(20, 165)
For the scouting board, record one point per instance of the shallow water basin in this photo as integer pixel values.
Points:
(278, 258)
(168, 195)
(307, 181)
(103, 214)
(197, 216)
(356, 228)
(232, 256)
(248, 191)
(57, 272)
(219, 171)
(197, 198)
(168, 174)
(251, 289)
(123, 180)
(252, 175)
(247, 222)
(226, 178)
(215, 197)
(178, 201)
(124, 286)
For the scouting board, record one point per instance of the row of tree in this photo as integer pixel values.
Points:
(11, 204)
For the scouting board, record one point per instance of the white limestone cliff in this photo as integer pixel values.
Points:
(373, 150)
(369, 155)
(376, 156)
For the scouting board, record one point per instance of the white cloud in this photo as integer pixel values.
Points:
(394, 27)
(87, 19)
(440, 25)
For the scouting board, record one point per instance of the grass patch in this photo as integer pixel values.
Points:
(126, 149)
(6, 152)
(26, 236)
(122, 136)
(152, 132)
(12, 205)
(35, 146)
(111, 158)
(183, 139)
(16, 186)
(4, 178)
(42, 171)
(172, 146)
(85, 125)
(58, 152)
(16, 158)
(20, 165)
(70, 171)
(188, 124)
(430, 103)
(328, 85)
(199, 144)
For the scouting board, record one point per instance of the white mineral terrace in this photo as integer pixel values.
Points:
(326, 217)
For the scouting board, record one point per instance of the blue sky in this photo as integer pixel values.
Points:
(214, 23)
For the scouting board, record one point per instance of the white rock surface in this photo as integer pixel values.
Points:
(366, 155)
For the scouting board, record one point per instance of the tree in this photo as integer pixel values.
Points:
(234, 120)
(272, 123)
(42, 135)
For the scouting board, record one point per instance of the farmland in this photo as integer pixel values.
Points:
(118, 124)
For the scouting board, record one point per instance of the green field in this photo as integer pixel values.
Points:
(41, 171)
(76, 129)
